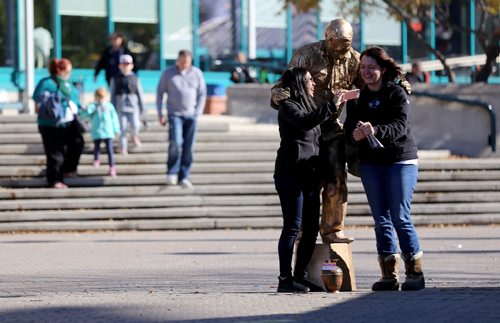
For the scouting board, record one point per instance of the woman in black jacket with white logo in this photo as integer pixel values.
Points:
(296, 176)
(389, 171)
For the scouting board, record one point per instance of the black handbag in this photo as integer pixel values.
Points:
(81, 125)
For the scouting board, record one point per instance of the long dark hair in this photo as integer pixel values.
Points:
(295, 79)
(392, 70)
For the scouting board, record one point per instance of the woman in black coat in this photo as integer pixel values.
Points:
(296, 177)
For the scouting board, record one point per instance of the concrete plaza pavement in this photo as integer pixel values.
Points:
(231, 276)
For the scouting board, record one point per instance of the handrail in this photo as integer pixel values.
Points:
(453, 62)
(492, 139)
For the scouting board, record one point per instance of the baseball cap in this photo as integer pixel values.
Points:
(126, 59)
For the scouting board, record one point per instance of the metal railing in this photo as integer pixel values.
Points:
(492, 138)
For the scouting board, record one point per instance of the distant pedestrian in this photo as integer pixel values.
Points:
(389, 172)
(241, 72)
(416, 75)
(127, 97)
(57, 104)
(186, 95)
(105, 127)
(110, 57)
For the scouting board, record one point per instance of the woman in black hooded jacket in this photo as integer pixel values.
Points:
(296, 177)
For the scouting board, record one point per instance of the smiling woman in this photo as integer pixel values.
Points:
(388, 171)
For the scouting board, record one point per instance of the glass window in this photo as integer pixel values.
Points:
(304, 29)
(8, 32)
(178, 27)
(216, 28)
(130, 11)
(83, 39)
(270, 23)
(44, 42)
(142, 41)
(91, 8)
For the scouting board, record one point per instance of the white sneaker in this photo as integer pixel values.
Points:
(186, 183)
(172, 179)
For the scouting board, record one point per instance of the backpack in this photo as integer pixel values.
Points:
(51, 108)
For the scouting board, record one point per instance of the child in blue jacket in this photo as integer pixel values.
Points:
(104, 125)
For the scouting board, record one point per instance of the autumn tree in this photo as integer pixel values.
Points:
(487, 29)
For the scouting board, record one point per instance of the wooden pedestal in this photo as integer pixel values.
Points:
(340, 251)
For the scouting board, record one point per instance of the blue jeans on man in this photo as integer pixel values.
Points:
(181, 138)
(389, 189)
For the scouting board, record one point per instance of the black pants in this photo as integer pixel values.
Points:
(63, 147)
(300, 202)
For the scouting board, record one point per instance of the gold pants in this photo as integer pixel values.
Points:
(334, 207)
(334, 173)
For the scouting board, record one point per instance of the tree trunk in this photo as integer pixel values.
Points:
(487, 68)
(492, 52)
(422, 41)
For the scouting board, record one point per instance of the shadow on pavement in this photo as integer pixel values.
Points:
(429, 305)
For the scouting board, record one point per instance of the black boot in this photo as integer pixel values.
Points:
(311, 286)
(414, 275)
(389, 268)
(287, 285)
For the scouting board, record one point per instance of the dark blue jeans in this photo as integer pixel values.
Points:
(389, 190)
(181, 137)
(300, 204)
(109, 150)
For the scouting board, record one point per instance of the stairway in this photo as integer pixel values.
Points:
(232, 174)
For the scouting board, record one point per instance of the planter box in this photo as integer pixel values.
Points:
(216, 105)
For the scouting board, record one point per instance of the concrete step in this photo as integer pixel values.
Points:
(425, 192)
(87, 170)
(192, 200)
(121, 180)
(224, 223)
(146, 158)
(32, 128)
(150, 117)
(229, 168)
(136, 191)
(154, 224)
(142, 213)
(149, 137)
(37, 149)
(137, 202)
(200, 156)
(239, 211)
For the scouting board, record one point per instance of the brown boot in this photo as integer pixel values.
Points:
(389, 268)
(414, 275)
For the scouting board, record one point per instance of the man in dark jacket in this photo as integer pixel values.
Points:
(110, 57)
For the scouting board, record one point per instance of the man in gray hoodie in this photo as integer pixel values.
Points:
(186, 95)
